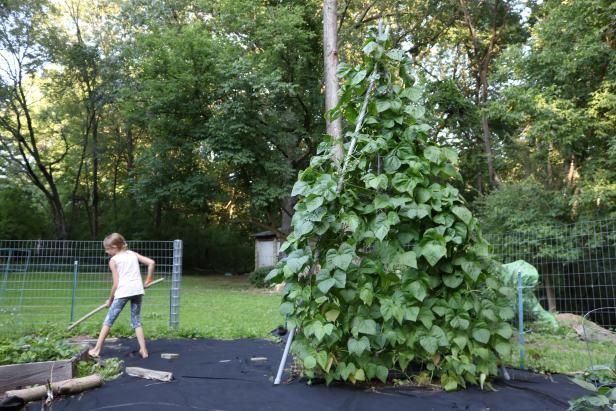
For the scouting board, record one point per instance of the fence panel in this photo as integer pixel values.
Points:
(576, 265)
(50, 281)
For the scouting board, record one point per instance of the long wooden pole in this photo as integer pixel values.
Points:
(102, 306)
(62, 387)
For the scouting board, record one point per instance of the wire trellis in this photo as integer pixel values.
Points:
(576, 265)
(52, 281)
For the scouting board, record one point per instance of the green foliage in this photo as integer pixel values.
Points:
(47, 346)
(522, 206)
(601, 381)
(392, 269)
(21, 214)
(257, 277)
(110, 369)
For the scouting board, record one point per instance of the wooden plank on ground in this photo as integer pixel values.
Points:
(149, 374)
(21, 375)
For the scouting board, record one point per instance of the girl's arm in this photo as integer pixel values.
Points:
(151, 264)
(116, 278)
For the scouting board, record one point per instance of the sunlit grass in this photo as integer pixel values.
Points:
(221, 307)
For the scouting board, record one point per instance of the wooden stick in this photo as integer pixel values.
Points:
(62, 387)
(97, 309)
(88, 315)
(154, 282)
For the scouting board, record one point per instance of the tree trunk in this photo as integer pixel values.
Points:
(549, 292)
(287, 205)
(330, 56)
(487, 135)
(549, 176)
(95, 196)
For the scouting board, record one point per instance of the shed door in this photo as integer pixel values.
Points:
(266, 253)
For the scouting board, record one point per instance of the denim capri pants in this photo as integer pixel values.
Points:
(118, 304)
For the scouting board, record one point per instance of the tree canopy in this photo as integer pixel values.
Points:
(166, 119)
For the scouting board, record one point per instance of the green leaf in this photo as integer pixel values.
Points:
(506, 313)
(460, 341)
(309, 362)
(342, 261)
(463, 214)
(453, 280)
(412, 93)
(381, 201)
(366, 295)
(303, 228)
(340, 278)
(503, 349)
(411, 313)
(332, 315)
(433, 251)
(300, 188)
(357, 347)
(472, 269)
(504, 330)
(286, 308)
(382, 373)
(380, 231)
(314, 203)
(433, 154)
(358, 77)
(430, 344)
(318, 330)
(449, 383)
(450, 155)
(417, 290)
(459, 322)
(391, 164)
(382, 105)
(325, 285)
(346, 370)
(364, 326)
(322, 358)
(482, 335)
(408, 259)
(422, 195)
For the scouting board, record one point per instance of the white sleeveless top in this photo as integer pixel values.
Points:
(130, 282)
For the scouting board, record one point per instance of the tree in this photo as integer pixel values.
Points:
(28, 147)
(561, 106)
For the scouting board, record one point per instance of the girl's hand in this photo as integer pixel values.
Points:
(108, 303)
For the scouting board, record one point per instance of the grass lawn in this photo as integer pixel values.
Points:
(222, 307)
(227, 308)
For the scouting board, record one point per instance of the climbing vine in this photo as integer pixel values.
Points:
(388, 269)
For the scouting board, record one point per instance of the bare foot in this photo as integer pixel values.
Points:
(144, 354)
(94, 353)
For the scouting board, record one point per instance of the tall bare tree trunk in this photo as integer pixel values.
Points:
(330, 56)
(95, 193)
(485, 127)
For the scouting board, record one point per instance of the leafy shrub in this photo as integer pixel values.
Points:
(33, 348)
(392, 270)
(257, 277)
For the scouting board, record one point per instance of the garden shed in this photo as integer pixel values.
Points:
(266, 249)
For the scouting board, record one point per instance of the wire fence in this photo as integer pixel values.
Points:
(51, 281)
(576, 267)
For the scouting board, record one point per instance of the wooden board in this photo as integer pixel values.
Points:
(149, 374)
(21, 375)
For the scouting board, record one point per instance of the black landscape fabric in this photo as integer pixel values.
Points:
(238, 375)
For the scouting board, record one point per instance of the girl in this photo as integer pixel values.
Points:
(127, 286)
